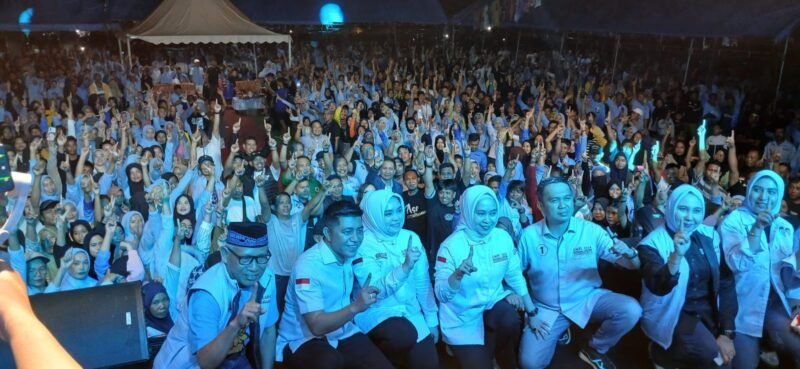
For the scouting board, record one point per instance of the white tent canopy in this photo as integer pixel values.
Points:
(202, 21)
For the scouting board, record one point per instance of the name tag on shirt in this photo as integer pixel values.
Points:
(499, 258)
(381, 255)
(582, 251)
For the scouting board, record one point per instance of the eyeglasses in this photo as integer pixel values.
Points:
(247, 260)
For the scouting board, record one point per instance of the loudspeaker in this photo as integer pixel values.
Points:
(100, 327)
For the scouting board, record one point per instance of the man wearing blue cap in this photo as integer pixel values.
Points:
(230, 317)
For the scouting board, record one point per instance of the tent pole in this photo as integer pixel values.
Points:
(783, 62)
(121, 57)
(616, 54)
(453, 40)
(516, 54)
(688, 61)
(255, 59)
(290, 53)
(130, 58)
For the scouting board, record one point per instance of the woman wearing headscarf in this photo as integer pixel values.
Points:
(689, 296)
(73, 273)
(403, 322)
(755, 241)
(174, 256)
(619, 169)
(156, 309)
(477, 314)
(136, 180)
(599, 215)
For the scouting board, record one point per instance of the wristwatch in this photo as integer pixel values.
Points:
(632, 256)
(533, 313)
(729, 333)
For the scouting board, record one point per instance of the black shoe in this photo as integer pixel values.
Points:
(595, 359)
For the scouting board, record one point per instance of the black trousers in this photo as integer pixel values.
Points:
(502, 329)
(355, 352)
(397, 339)
(281, 283)
(693, 346)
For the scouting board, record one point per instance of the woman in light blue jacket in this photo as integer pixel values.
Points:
(755, 241)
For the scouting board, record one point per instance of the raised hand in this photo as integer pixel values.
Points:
(366, 297)
(237, 126)
(701, 130)
(430, 155)
(286, 137)
(412, 255)
(235, 147)
(681, 240)
(273, 144)
(654, 150)
(217, 106)
(466, 267)
(251, 311)
(765, 218)
(730, 141)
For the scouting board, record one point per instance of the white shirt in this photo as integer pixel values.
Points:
(214, 150)
(755, 272)
(562, 273)
(318, 283)
(287, 239)
(461, 311)
(401, 295)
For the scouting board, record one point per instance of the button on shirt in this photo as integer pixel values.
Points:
(562, 272)
(318, 283)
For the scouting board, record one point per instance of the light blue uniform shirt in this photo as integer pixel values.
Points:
(562, 272)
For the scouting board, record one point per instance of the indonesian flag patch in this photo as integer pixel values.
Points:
(302, 283)
(441, 259)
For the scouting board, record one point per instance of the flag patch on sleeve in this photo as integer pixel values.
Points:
(303, 283)
(441, 259)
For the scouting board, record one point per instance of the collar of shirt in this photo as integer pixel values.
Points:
(547, 232)
(327, 254)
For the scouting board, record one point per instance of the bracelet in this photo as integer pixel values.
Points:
(533, 313)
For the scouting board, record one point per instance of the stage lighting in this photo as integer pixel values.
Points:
(25, 19)
(331, 14)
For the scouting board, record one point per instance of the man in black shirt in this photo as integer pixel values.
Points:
(416, 204)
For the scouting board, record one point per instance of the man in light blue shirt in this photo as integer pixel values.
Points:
(559, 256)
(231, 314)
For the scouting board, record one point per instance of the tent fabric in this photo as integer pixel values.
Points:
(307, 12)
(201, 21)
(683, 18)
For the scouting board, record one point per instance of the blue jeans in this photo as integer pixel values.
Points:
(617, 313)
(779, 336)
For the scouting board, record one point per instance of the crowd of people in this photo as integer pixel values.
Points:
(393, 200)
